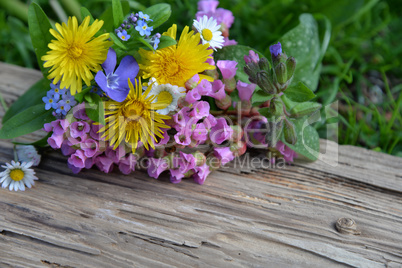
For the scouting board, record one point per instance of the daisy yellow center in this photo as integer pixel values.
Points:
(165, 97)
(207, 34)
(17, 174)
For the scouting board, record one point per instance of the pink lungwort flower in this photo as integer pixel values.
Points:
(201, 173)
(79, 128)
(157, 166)
(251, 57)
(224, 154)
(228, 68)
(245, 90)
(221, 131)
(77, 159)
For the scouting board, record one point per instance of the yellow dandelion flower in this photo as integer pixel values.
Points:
(134, 119)
(76, 53)
(176, 64)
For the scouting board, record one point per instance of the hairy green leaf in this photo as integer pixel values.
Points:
(299, 93)
(39, 27)
(27, 121)
(30, 98)
(159, 13)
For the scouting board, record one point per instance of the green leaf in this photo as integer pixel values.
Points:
(117, 42)
(159, 13)
(27, 121)
(118, 15)
(39, 27)
(94, 108)
(166, 41)
(303, 44)
(39, 143)
(85, 13)
(235, 95)
(107, 17)
(30, 98)
(304, 108)
(142, 40)
(308, 141)
(259, 97)
(236, 53)
(80, 96)
(299, 93)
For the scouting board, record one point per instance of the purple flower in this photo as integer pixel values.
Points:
(79, 112)
(69, 100)
(127, 164)
(193, 95)
(104, 164)
(50, 101)
(94, 132)
(207, 5)
(55, 141)
(183, 137)
(79, 128)
(200, 110)
(201, 174)
(218, 90)
(210, 121)
(221, 131)
(62, 107)
(157, 166)
(123, 35)
(115, 83)
(204, 88)
(60, 126)
(143, 29)
(90, 147)
(74, 169)
(75, 141)
(276, 49)
(228, 42)
(181, 118)
(228, 68)
(67, 149)
(224, 154)
(144, 16)
(251, 57)
(77, 159)
(287, 153)
(245, 90)
(200, 133)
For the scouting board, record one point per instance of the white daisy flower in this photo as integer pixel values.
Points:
(209, 31)
(28, 153)
(168, 94)
(17, 175)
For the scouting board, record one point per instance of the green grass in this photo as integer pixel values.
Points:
(361, 68)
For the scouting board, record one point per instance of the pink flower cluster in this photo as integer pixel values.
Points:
(223, 17)
(78, 138)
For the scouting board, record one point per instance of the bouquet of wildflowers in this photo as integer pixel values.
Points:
(118, 94)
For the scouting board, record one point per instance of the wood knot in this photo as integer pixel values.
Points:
(346, 226)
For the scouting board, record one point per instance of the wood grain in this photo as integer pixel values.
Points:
(241, 217)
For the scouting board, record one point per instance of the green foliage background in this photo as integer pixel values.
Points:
(360, 75)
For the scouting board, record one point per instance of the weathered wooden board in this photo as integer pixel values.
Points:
(250, 217)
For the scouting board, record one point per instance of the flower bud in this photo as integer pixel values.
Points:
(224, 103)
(237, 133)
(251, 69)
(200, 158)
(264, 64)
(274, 132)
(289, 132)
(192, 82)
(265, 83)
(238, 148)
(290, 66)
(230, 84)
(212, 73)
(281, 73)
(244, 106)
(213, 162)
